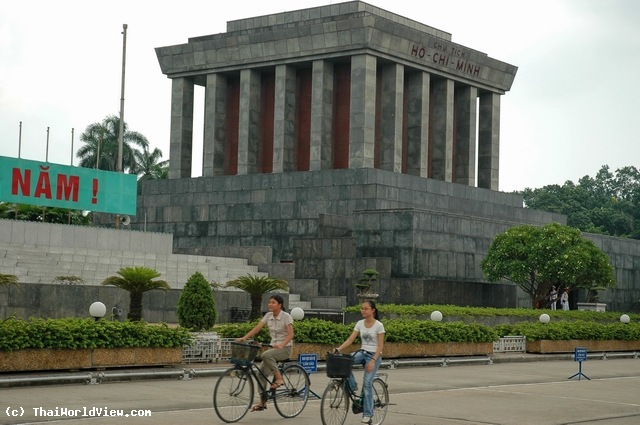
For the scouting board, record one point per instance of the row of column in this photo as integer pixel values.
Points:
(421, 124)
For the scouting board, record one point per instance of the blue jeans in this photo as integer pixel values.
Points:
(363, 357)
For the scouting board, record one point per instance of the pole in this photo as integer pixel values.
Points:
(20, 140)
(121, 130)
(72, 146)
(98, 151)
(46, 155)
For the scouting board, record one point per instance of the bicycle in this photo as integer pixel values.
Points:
(234, 391)
(338, 395)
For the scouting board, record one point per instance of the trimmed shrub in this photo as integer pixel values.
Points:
(197, 307)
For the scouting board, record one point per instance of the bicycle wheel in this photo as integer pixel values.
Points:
(291, 398)
(380, 401)
(335, 404)
(233, 394)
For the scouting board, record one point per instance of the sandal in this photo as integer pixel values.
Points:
(259, 408)
(276, 385)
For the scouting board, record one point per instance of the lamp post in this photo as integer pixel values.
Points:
(625, 318)
(436, 316)
(544, 318)
(97, 310)
(297, 313)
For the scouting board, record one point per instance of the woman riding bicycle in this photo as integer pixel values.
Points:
(371, 333)
(280, 324)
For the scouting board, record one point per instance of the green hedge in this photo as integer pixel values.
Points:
(579, 329)
(412, 311)
(316, 331)
(16, 334)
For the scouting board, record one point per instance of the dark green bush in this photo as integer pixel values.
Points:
(16, 334)
(197, 307)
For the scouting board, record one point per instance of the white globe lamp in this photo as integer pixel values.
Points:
(625, 318)
(297, 313)
(544, 318)
(436, 316)
(97, 310)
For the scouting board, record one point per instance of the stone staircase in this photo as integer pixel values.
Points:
(40, 252)
(303, 293)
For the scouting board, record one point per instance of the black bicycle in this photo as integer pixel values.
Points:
(234, 391)
(338, 396)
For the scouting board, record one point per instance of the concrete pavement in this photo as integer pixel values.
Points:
(506, 393)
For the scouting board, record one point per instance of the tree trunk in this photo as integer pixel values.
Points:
(135, 306)
(256, 306)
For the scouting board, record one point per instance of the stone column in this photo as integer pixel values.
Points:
(392, 93)
(215, 114)
(489, 141)
(321, 115)
(442, 130)
(465, 143)
(284, 129)
(249, 128)
(418, 123)
(362, 111)
(181, 136)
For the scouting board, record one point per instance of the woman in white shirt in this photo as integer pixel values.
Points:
(371, 332)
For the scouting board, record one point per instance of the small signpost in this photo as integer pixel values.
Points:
(579, 355)
(309, 363)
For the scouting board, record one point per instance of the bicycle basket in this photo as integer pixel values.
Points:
(339, 365)
(243, 354)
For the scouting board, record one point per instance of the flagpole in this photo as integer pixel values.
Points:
(121, 130)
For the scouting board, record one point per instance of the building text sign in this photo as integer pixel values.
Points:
(24, 181)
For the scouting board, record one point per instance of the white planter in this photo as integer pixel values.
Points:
(592, 306)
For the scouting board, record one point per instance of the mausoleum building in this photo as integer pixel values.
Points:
(345, 137)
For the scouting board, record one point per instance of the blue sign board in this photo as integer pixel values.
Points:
(580, 354)
(309, 362)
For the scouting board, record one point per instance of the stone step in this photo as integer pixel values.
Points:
(305, 305)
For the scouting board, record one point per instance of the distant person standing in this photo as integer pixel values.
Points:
(553, 297)
(564, 299)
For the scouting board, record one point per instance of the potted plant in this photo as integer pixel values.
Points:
(365, 284)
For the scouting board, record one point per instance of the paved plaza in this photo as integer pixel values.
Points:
(537, 392)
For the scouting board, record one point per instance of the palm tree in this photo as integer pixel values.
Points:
(148, 166)
(8, 279)
(136, 281)
(101, 146)
(256, 287)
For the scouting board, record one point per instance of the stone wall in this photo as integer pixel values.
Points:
(58, 301)
(273, 209)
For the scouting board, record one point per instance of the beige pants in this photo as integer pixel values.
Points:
(269, 361)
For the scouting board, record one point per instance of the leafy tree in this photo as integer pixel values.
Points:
(8, 279)
(136, 281)
(536, 258)
(43, 214)
(256, 287)
(608, 203)
(101, 146)
(197, 306)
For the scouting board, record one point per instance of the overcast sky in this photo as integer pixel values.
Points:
(573, 106)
